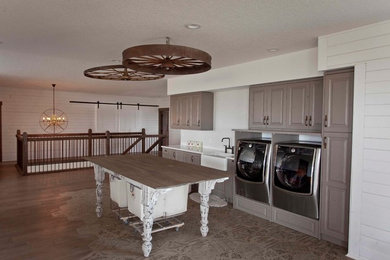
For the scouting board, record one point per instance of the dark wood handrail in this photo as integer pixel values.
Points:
(37, 153)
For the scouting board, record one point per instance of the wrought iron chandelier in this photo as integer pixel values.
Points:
(166, 59)
(53, 120)
(119, 72)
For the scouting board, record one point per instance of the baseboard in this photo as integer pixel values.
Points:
(297, 222)
(252, 207)
(334, 240)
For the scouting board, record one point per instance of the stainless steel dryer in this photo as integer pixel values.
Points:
(295, 178)
(252, 169)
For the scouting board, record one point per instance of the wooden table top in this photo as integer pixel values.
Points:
(157, 172)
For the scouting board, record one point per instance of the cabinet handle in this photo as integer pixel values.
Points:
(267, 120)
(264, 122)
(324, 142)
(192, 158)
(174, 155)
(188, 122)
(178, 121)
(198, 122)
(306, 120)
(326, 121)
(310, 121)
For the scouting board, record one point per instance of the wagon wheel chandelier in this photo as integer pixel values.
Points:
(119, 72)
(53, 120)
(166, 59)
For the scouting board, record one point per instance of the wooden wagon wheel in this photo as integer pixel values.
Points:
(166, 59)
(119, 72)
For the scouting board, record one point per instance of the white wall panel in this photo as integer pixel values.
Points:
(369, 236)
(296, 65)
(347, 48)
(22, 109)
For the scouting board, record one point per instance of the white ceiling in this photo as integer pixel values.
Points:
(54, 41)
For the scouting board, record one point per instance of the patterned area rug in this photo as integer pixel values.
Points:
(233, 235)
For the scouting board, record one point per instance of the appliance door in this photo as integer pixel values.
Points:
(251, 161)
(294, 169)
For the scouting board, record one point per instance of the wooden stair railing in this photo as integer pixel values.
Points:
(42, 153)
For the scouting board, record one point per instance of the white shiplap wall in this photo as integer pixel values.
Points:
(22, 109)
(354, 46)
(370, 186)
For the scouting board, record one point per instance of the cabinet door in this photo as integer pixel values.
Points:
(338, 94)
(192, 158)
(297, 104)
(175, 111)
(314, 109)
(185, 106)
(165, 153)
(257, 107)
(176, 155)
(276, 107)
(195, 111)
(335, 180)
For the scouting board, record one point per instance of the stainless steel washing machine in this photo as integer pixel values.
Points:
(296, 178)
(252, 169)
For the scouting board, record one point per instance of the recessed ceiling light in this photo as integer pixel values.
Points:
(193, 26)
(273, 50)
(116, 60)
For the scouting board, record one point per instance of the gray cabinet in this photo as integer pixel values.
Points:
(182, 156)
(335, 180)
(192, 158)
(267, 106)
(192, 111)
(337, 108)
(295, 105)
(172, 154)
(336, 156)
(225, 189)
(304, 105)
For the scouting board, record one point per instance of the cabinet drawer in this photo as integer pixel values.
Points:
(172, 154)
(192, 158)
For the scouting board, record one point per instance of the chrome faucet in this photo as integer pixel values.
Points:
(228, 147)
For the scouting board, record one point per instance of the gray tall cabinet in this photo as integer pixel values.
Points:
(336, 156)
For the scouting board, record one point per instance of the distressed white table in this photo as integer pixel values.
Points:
(156, 176)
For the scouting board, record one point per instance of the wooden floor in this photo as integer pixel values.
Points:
(52, 216)
(29, 226)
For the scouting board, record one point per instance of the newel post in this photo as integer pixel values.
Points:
(25, 153)
(143, 140)
(90, 142)
(107, 142)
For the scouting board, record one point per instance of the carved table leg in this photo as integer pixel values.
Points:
(99, 177)
(205, 189)
(149, 200)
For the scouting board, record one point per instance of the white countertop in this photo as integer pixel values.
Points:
(204, 151)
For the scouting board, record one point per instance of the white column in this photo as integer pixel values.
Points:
(99, 177)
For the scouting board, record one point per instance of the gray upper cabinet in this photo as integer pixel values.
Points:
(192, 111)
(295, 105)
(304, 105)
(338, 94)
(276, 107)
(257, 107)
(175, 112)
(267, 106)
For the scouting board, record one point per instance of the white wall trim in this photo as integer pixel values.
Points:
(357, 161)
